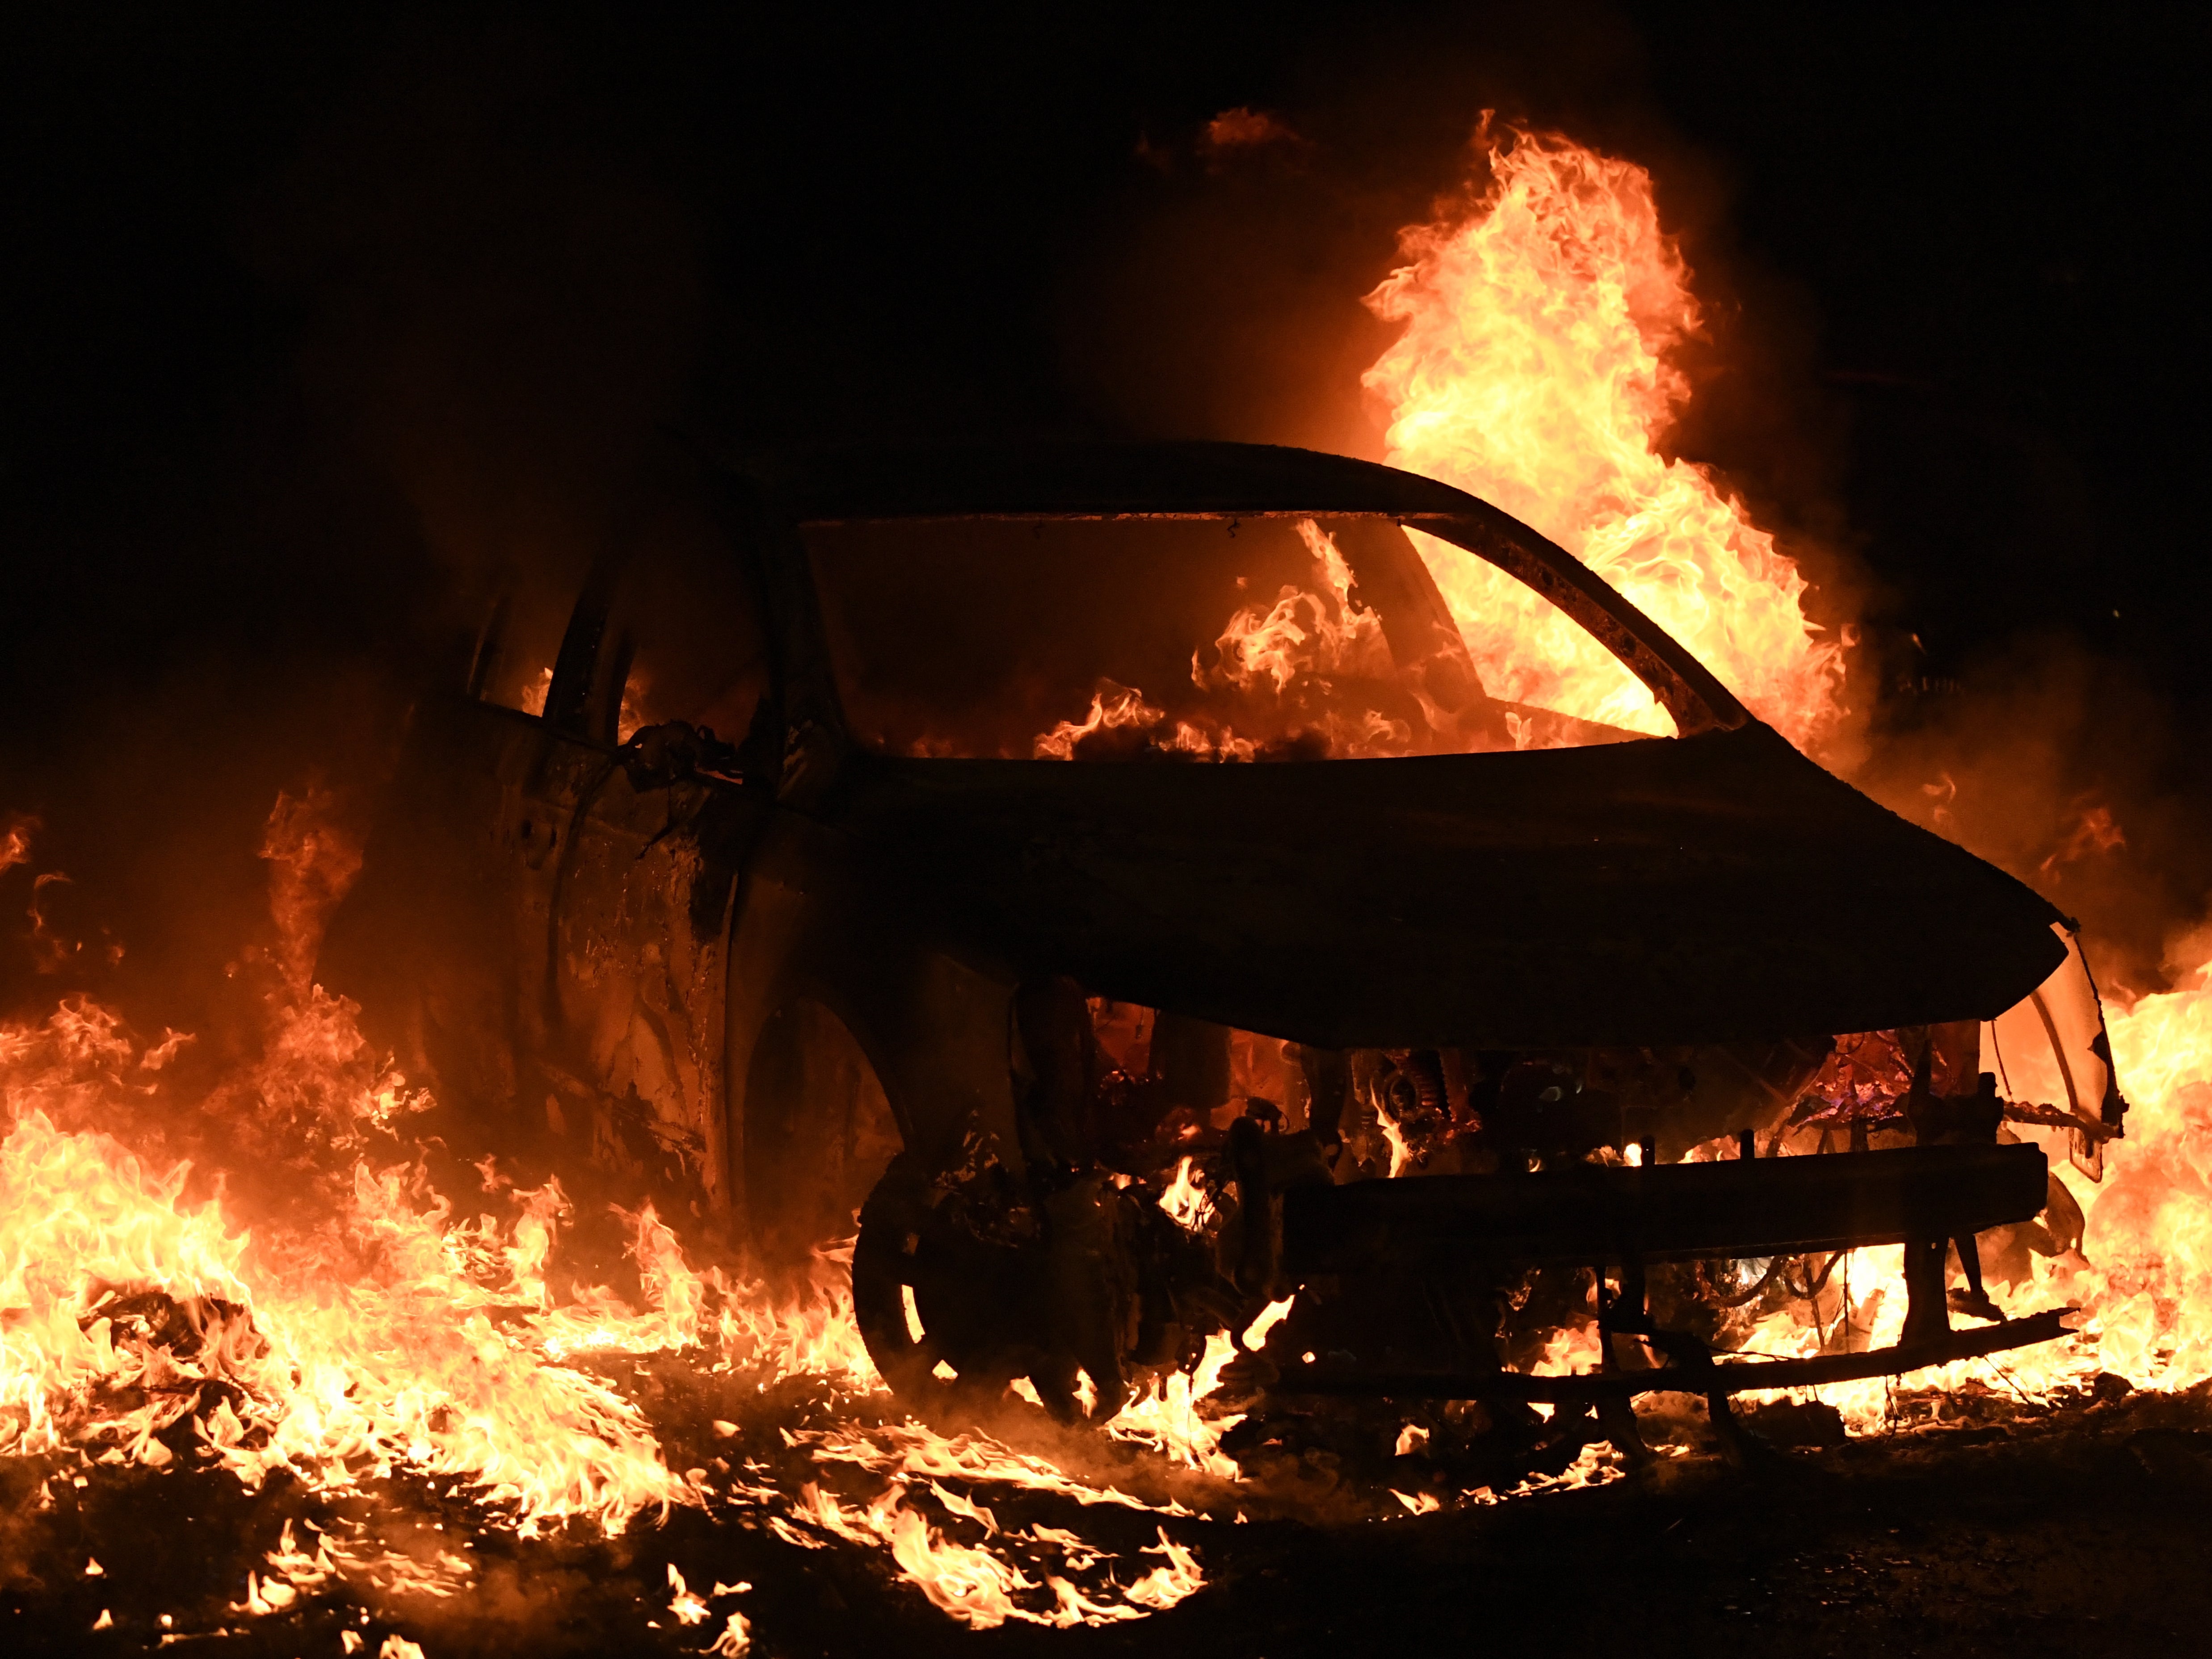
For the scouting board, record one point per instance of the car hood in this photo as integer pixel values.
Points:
(1716, 888)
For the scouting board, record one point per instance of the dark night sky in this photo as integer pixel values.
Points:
(319, 321)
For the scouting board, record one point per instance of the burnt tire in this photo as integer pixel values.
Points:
(930, 1298)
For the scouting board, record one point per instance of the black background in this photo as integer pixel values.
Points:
(320, 323)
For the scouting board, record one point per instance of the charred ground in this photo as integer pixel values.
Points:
(2071, 1530)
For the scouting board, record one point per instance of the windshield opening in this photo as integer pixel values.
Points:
(1201, 638)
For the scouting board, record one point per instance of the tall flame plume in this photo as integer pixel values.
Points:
(1534, 370)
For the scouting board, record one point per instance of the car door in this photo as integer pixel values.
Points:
(658, 708)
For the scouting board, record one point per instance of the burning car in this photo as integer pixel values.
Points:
(1106, 872)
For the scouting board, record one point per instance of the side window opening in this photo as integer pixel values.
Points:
(521, 635)
(680, 639)
(691, 642)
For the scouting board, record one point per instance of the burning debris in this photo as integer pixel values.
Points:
(742, 1101)
(389, 1354)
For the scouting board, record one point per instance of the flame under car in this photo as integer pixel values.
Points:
(1104, 870)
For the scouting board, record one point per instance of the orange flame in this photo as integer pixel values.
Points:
(1534, 370)
(384, 1334)
(2149, 1228)
(15, 832)
(1112, 706)
(143, 1327)
(1185, 1200)
(1301, 634)
(2143, 1277)
(1299, 642)
(300, 1364)
(312, 859)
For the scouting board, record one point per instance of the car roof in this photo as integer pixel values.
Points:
(1087, 480)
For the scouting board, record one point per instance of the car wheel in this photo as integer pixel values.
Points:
(950, 1319)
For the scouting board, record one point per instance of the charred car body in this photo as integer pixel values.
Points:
(968, 840)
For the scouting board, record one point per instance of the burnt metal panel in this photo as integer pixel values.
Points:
(1715, 888)
(1724, 1376)
(1591, 1212)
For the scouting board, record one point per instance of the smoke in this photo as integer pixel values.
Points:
(1220, 296)
(419, 323)
(2074, 773)
(328, 329)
